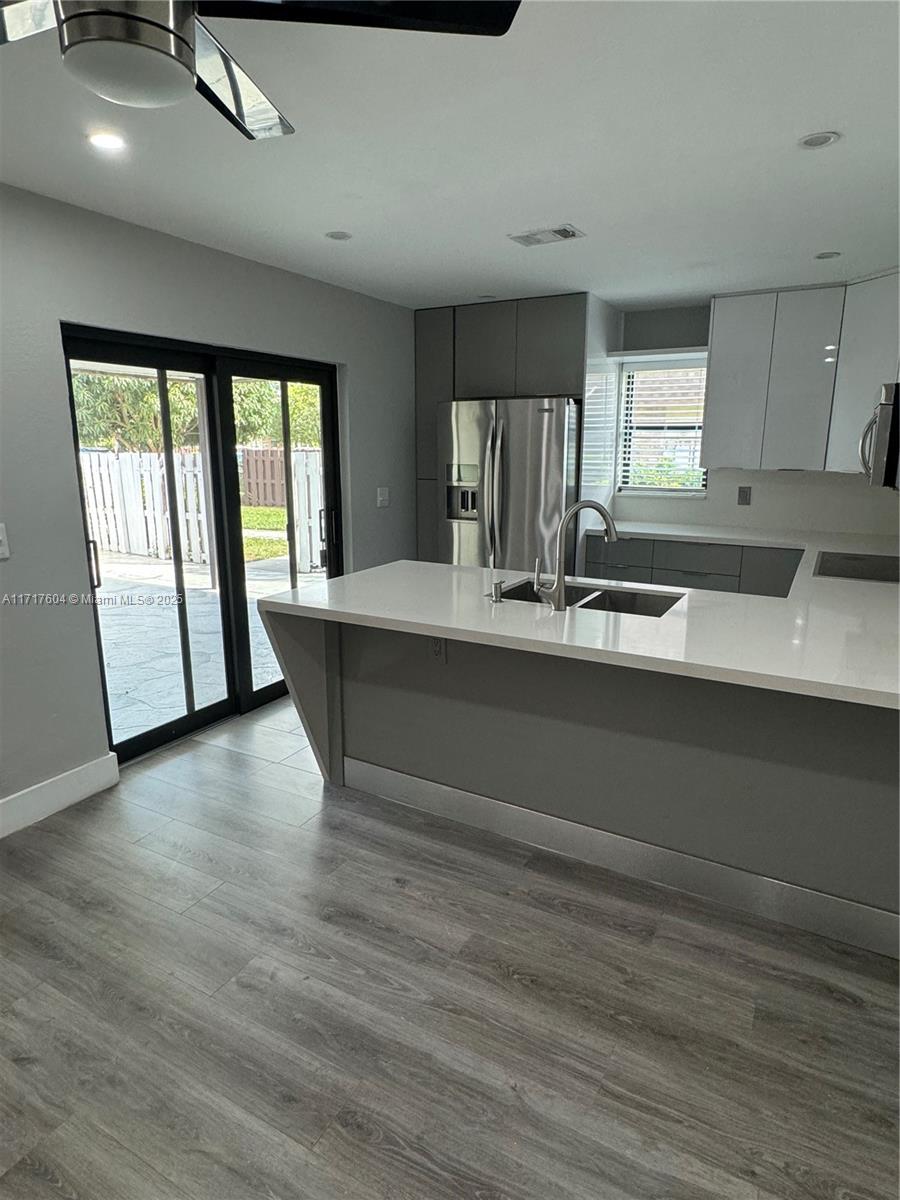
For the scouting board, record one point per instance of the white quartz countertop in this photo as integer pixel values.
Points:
(836, 638)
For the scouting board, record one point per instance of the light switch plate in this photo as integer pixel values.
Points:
(4, 544)
(744, 495)
(383, 497)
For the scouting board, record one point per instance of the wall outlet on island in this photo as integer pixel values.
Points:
(744, 495)
(382, 497)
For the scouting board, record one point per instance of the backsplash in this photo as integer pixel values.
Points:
(789, 500)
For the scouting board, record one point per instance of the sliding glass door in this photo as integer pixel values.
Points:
(206, 483)
(283, 455)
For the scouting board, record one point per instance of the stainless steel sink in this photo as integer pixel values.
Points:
(620, 600)
(639, 604)
(575, 593)
(883, 568)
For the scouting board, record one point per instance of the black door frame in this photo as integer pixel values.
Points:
(215, 364)
(284, 370)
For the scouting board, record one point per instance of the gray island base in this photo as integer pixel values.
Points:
(779, 804)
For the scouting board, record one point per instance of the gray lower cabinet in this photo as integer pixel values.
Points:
(550, 345)
(624, 552)
(696, 579)
(769, 570)
(485, 354)
(601, 570)
(715, 566)
(708, 557)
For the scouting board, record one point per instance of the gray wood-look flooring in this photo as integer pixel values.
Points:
(223, 979)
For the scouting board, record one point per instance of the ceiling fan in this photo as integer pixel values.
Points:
(152, 53)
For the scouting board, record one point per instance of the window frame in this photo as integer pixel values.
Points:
(652, 363)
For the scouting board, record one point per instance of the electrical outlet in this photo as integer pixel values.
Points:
(438, 647)
(744, 495)
(383, 497)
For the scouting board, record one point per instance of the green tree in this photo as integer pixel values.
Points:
(121, 412)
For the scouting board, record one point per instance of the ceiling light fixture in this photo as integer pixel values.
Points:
(829, 254)
(487, 296)
(111, 143)
(339, 235)
(123, 53)
(818, 141)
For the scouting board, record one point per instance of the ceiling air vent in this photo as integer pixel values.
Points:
(540, 237)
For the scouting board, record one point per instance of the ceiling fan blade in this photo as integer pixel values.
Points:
(490, 18)
(22, 18)
(231, 90)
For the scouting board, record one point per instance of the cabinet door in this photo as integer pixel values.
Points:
(769, 570)
(623, 552)
(801, 378)
(434, 382)
(427, 493)
(696, 579)
(486, 350)
(550, 340)
(867, 359)
(737, 380)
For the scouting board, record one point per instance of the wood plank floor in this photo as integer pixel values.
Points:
(223, 979)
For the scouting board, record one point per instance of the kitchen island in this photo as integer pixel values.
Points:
(739, 747)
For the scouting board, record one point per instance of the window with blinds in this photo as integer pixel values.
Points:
(661, 426)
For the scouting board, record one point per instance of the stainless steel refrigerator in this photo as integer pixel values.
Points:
(507, 471)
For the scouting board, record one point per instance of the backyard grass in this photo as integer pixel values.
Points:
(261, 517)
(256, 548)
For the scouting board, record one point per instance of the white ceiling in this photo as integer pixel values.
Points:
(666, 131)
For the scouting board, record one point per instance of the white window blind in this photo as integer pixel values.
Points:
(661, 426)
(598, 445)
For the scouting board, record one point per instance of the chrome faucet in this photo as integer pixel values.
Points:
(555, 593)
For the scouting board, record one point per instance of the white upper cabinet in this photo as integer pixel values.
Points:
(801, 378)
(737, 380)
(868, 358)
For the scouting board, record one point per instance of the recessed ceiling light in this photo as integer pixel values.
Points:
(339, 235)
(829, 254)
(818, 141)
(104, 140)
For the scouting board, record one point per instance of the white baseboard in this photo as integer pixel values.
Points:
(831, 916)
(43, 799)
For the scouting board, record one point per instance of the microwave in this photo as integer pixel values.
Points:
(879, 445)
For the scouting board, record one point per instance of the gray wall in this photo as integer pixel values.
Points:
(789, 787)
(665, 328)
(61, 263)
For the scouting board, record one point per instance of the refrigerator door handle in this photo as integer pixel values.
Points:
(497, 489)
(486, 492)
(865, 445)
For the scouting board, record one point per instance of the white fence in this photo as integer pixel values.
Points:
(128, 509)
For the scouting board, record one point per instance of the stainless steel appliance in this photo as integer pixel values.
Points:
(879, 446)
(508, 470)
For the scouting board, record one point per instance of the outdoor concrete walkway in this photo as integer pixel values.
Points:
(141, 648)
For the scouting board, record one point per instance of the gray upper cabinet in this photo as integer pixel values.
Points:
(550, 345)
(486, 350)
(434, 382)
(867, 359)
(737, 381)
(801, 378)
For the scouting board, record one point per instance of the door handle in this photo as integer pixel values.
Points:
(94, 560)
(487, 494)
(865, 445)
(497, 500)
(322, 525)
